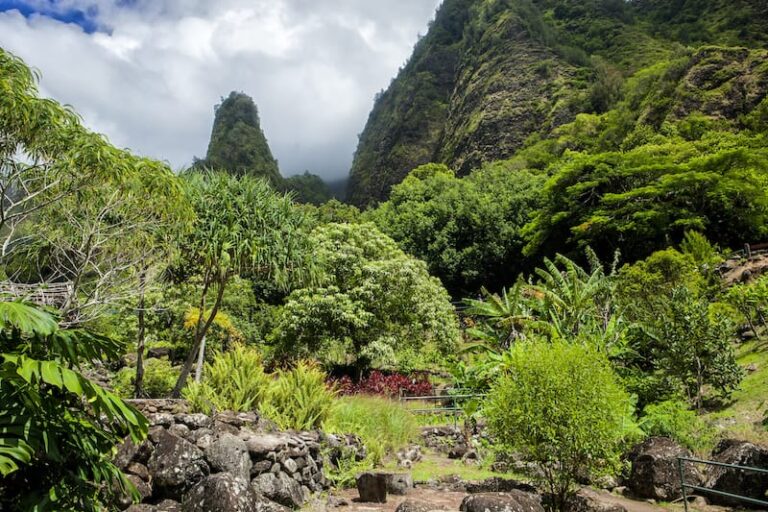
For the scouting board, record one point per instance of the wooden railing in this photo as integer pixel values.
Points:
(44, 294)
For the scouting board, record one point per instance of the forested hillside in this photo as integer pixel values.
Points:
(493, 77)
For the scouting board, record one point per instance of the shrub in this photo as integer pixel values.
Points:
(299, 399)
(383, 425)
(674, 419)
(390, 385)
(159, 378)
(235, 381)
(560, 405)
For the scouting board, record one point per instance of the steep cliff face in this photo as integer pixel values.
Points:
(492, 74)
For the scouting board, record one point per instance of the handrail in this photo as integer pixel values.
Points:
(684, 485)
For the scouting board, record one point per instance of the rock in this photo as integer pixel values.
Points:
(654, 473)
(498, 484)
(158, 352)
(129, 452)
(138, 469)
(145, 491)
(221, 493)
(513, 501)
(458, 451)
(175, 466)
(290, 466)
(169, 506)
(399, 483)
(260, 446)
(279, 488)
(734, 481)
(179, 429)
(416, 506)
(162, 419)
(205, 442)
(261, 467)
(194, 421)
(588, 500)
(229, 454)
(372, 487)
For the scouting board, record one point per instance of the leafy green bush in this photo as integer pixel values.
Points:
(561, 406)
(676, 420)
(58, 430)
(382, 424)
(159, 378)
(299, 398)
(235, 381)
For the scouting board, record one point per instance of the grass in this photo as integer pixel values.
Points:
(434, 466)
(743, 417)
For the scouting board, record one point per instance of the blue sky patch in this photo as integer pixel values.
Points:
(84, 19)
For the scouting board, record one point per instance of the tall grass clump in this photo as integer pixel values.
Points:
(383, 425)
(299, 398)
(235, 381)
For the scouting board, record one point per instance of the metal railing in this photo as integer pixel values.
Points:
(683, 485)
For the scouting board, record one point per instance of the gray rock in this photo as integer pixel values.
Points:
(194, 421)
(169, 506)
(588, 500)
(749, 484)
(162, 419)
(279, 488)
(175, 466)
(138, 469)
(179, 429)
(498, 484)
(221, 493)
(260, 446)
(229, 454)
(416, 506)
(513, 501)
(399, 483)
(205, 442)
(290, 466)
(260, 467)
(129, 452)
(372, 487)
(654, 474)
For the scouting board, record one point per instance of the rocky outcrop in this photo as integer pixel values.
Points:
(735, 481)
(513, 501)
(232, 461)
(654, 473)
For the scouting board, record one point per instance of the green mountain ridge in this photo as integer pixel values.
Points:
(494, 76)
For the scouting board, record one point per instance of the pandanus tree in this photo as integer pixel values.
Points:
(242, 226)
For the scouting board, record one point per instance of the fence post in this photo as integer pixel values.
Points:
(748, 250)
(682, 482)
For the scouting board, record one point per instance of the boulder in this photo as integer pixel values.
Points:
(163, 506)
(588, 500)
(416, 506)
(735, 481)
(194, 421)
(261, 445)
(513, 501)
(221, 492)
(399, 483)
(175, 466)
(138, 469)
(229, 454)
(498, 484)
(129, 452)
(279, 488)
(372, 487)
(654, 474)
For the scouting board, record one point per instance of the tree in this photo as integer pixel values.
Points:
(238, 144)
(308, 188)
(58, 430)
(561, 406)
(373, 300)
(466, 229)
(242, 225)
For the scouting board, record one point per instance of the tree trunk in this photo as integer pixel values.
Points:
(200, 359)
(138, 390)
(199, 337)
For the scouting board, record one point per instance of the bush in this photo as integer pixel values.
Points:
(235, 381)
(390, 385)
(561, 406)
(159, 379)
(383, 425)
(299, 399)
(674, 419)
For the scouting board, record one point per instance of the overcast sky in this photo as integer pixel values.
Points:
(147, 73)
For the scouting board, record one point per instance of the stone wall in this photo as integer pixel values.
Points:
(188, 458)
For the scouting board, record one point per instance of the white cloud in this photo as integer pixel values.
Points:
(150, 78)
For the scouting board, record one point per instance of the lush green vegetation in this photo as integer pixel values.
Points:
(602, 171)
